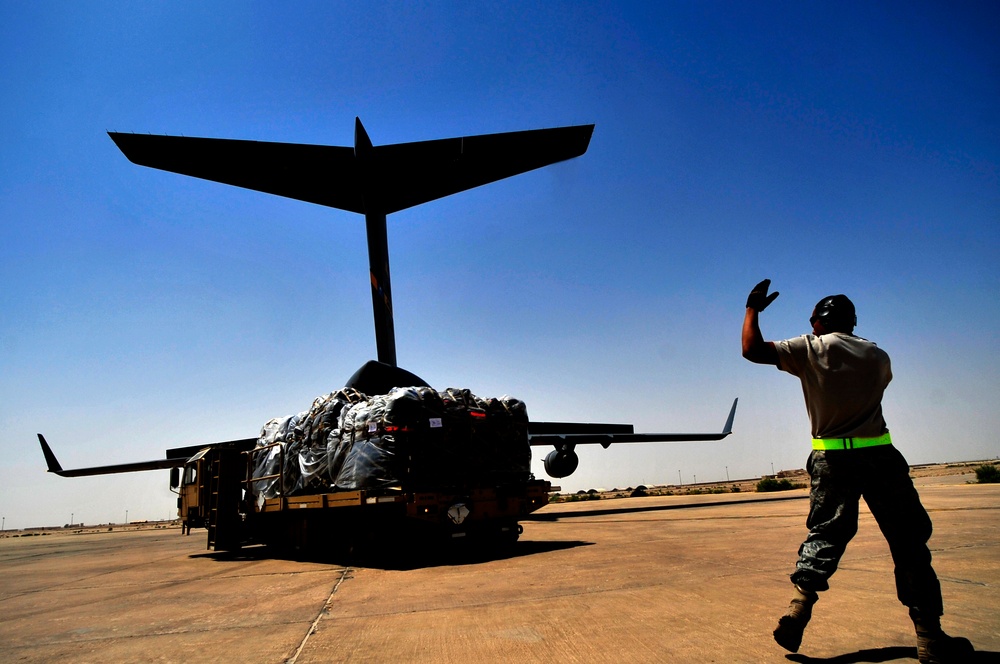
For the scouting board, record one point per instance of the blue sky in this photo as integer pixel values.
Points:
(838, 147)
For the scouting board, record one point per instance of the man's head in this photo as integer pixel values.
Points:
(834, 313)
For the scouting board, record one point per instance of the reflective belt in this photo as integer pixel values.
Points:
(850, 443)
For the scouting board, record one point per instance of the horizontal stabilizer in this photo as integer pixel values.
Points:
(549, 433)
(363, 179)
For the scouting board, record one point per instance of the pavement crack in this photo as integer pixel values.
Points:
(967, 582)
(344, 575)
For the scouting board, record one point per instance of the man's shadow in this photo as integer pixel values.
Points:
(888, 654)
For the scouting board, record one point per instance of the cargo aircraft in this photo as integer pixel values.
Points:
(376, 181)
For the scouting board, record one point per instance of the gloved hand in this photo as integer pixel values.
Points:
(758, 298)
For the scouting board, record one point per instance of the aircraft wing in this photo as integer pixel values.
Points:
(364, 178)
(560, 434)
(172, 461)
(563, 436)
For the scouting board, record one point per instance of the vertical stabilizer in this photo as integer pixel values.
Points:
(378, 245)
(371, 180)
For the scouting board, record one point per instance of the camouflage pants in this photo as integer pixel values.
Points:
(839, 479)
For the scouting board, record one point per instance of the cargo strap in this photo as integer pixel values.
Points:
(850, 443)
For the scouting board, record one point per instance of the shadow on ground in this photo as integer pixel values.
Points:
(886, 655)
(609, 511)
(399, 557)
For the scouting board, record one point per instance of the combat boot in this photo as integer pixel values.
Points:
(788, 634)
(936, 647)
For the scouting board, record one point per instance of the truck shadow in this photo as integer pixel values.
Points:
(464, 554)
(399, 558)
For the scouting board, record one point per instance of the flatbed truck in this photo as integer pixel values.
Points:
(213, 492)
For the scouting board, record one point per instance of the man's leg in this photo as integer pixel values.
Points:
(901, 517)
(832, 522)
(896, 506)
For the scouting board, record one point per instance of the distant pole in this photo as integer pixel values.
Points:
(772, 468)
(126, 517)
(695, 479)
(3, 527)
(71, 518)
(679, 481)
(727, 473)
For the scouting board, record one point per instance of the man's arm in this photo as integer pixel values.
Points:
(755, 348)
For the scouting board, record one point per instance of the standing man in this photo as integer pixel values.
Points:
(843, 378)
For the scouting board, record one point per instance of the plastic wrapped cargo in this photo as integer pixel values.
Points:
(270, 462)
(320, 423)
(362, 460)
(412, 436)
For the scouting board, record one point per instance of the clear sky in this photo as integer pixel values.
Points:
(834, 147)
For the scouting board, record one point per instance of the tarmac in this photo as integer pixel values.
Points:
(659, 579)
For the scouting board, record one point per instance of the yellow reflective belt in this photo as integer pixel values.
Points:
(850, 443)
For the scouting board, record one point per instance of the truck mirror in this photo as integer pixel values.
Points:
(175, 478)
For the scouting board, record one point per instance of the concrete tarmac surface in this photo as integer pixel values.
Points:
(660, 579)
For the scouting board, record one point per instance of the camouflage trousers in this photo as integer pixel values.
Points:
(880, 475)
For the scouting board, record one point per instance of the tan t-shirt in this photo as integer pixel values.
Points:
(843, 379)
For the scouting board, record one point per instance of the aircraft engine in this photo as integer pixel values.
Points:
(561, 462)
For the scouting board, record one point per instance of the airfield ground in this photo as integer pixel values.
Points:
(670, 578)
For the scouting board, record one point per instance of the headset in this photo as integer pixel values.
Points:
(835, 312)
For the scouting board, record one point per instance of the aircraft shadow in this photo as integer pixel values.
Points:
(611, 511)
(887, 654)
(399, 558)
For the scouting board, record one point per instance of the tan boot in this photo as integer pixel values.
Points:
(788, 634)
(936, 647)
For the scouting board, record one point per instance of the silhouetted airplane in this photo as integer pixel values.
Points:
(376, 181)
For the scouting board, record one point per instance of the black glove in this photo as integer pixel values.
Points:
(758, 298)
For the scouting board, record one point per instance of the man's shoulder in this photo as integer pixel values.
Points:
(824, 344)
(849, 345)
(793, 353)
(791, 345)
(801, 340)
(854, 340)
